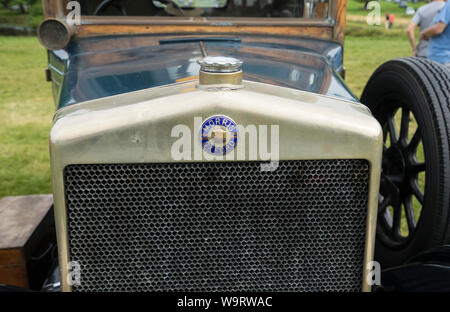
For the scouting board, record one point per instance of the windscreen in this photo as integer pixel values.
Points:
(208, 8)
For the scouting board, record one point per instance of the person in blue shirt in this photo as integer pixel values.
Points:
(439, 36)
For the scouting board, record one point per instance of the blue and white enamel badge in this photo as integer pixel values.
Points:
(219, 135)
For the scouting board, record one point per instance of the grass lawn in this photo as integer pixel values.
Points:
(362, 55)
(26, 109)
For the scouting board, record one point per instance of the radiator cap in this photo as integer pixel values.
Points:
(220, 64)
(221, 71)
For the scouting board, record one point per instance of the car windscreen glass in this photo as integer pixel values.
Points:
(208, 8)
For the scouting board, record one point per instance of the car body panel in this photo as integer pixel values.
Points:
(142, 124)
(91, 68)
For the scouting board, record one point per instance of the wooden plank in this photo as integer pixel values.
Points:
(19, 218)
(13, 270)
(24, 227)
(338, 9)
(53, 8)
(14, 275)
(322, 10)
(306, 31)
(11, 256)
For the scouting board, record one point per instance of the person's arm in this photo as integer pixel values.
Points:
(410, 31)
(411, 36)
(433, 31)
(441, 21)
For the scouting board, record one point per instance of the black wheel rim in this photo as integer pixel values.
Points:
(402, 182)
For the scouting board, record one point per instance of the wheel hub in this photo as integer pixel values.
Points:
(399, 182)
(394, 161)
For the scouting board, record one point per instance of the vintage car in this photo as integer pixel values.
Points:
(214, 146)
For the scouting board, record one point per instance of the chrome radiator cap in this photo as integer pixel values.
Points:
(220, 64)
(220, 70)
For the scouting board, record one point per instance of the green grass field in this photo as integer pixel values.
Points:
(362, 55)
(26, 109)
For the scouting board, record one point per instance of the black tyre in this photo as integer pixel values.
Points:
(410, 97)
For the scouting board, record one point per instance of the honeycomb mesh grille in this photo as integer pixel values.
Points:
(218, 226)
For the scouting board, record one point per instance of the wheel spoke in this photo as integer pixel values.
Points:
(415, 140)
(409, 212)
(417, 191)
(387, 218)
(392, 131)
(404, 125)
(383, 204)
(417, 167)
(394, 178)
(397, 220)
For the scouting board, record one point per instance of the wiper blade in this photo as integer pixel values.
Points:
(174, 4)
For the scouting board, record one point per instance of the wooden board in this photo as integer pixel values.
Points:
(322, 32)
(22, 225)
(338, 10)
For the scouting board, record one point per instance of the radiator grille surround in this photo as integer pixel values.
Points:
(218, 226)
